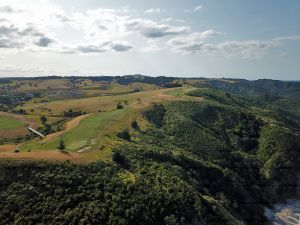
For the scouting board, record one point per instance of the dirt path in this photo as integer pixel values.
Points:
(51, 155)
(69, 125)
(7, 148)
(160, 96)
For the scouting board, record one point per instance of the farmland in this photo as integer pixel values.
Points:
(186, 140)
(9, 123)
(12, 125)
(92, 135)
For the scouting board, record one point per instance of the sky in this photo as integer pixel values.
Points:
(249, 39)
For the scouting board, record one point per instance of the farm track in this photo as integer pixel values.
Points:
(50, 155)
(69, 126)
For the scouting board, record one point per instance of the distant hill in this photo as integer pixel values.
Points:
(257, 87)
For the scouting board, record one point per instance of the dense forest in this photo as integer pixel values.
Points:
(216, 162)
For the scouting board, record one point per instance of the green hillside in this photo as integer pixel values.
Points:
(201, 157)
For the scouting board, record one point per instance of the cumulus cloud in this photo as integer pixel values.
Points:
(196, 9)
(28, 30)
(153, 10)
(45, 27)
(288, 38)
(17, 37)
(151, 29)
(6, 9)
(116, 46)
(102, 30)
(196, 44)
(44, 42)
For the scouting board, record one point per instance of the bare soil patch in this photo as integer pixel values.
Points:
(51, 155)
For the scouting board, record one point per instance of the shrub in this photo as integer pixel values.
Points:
(118, 157)
(120, 106)
(124, 135)
(61, 145)
(156, 115)
(134, 125)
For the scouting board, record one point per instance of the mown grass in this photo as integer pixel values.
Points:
(10, 123)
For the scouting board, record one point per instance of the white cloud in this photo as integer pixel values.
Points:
(288, 38)
(88, 48)
(192, 38)
(196, 9)
(43, 27)
(36, 28)
(196, 43)
(171, 19)
(153, 10)
(28, 68)
(15, 36)
(151, 29)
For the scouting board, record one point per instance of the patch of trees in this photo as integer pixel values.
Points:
(156, 115)
(172, 85)
(120, 106)
(97, 194)
(72, 113)
(118, 157)
(20, 111)
(17, 139)
(124, 135)
(212, 162)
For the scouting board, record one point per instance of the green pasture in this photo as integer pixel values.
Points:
(10, 123)
(80, 137)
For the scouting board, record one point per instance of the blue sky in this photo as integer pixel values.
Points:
(211, 38)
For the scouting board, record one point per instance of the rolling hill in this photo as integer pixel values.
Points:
(175, 151)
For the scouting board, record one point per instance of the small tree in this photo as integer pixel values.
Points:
(134, 125)
(118, 157)
(124, 135)
(61, 145)
(120, 106)
(43, 120)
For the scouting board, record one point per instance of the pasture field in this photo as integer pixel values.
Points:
(80, 137)
(90, 105)
(10, 123)
(13, 125)
(92, 136)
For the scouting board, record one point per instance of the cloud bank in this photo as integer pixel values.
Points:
(42, 28)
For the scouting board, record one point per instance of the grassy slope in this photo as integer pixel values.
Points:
(81, 135)
(99, 130)
(230, 184)
(9, 122)
(89, 105)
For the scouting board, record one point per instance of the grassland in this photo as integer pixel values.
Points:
(10, 122)
(93, 136)
(13, 125)
(92, 104)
